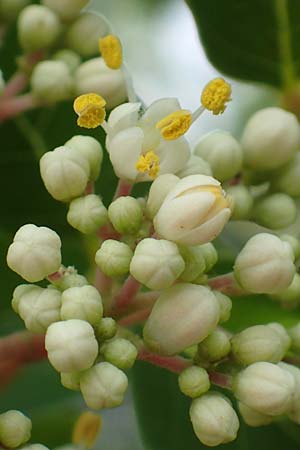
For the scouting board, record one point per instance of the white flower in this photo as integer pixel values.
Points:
(136, 148)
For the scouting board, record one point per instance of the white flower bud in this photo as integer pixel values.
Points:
(126, 215)
(194, 262)
(18, 293)
(225, 305)
(265, 264)
(287, 178)
(223, 153)
(67, 10)
(87, 214)
(68, 57)
(95, 76)
(214, 420)
(215, 347)
(70, 278)
(242, 202)
(83, 303)
(106, 328)
(283, 334)
(35, 447)
(275, 211)
(51, 81)
(194, 381)
(113, 258)
(91, 150)
(252, 417)
(294, 411)
(291, 295)
(270, 139)
(15, 429)
(193, 311)
(210, 255)
(71, 380)
(294, 243)
(65, 173)
(194, 212)
(195, 166)
(71, 345)
(156, 263)
(38, 28)
(258, 343)
(10, 9)
(103, 386)
(39, 308)
(83, 35)
(266, 388)
(159, 189)
(34, 253)
(120, 352)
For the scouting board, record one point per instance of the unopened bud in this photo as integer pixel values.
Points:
(120, 352)
(294, 410)
(194, 262)
(275, 211)
(103, 386)
(51, 81)
(265, 264)
(71, 380)
(18, 293)
(253, 418)
(195, 166)
(34, 253)
(113, 258)
(214, 420)
(283, 334)
(215, 347)
(210, 255)
(67, 10)
(159, 189)
(68, 57)
(35, 447)
(82, 303)
(126, 215)
(10, 9)
(91, 150)
(287, 178)
(15, 429)
(194, 381)
(242, 202)
(294, 243)
(70, 278)
(156, 263)
(71, 345)
(87, 214)
(290, 295)
(106, 329)
(225, 305)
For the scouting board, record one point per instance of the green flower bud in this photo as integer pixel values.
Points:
(294, 333)
(39, 308)
(70, 278)
(34, 253)
(266, 388)
(113, 258)
(38, 28)
(10, 9)
(202, 279)
(83, 303)
(71, 380)
(264, 265)
(287, 178)
(215, 347)
(290, 295)
(282, 332)
(225, 305)
(270, 139)
(214, 420)
(194, 381)
(193, 311)
(65, 173)
(194, 262)
(15, 429)
(95, 76)
(106, 328)
(51, 81)
(294, 410)
(71, 345)
(83, 35)
(223, 153)
(242, 202)
(91, 150)
(68, 57)
(252, 417)
(156, 263)
(67, 10)
(120, 352)
(210, 255)
(195, 165)
(87, 214)
(294, 243)
(258, 343)
(126, 215)
(103, 386)
(275, 211)
(18, 293)
(159, 189)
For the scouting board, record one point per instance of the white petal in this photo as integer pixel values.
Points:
(190, 182)
(123, 116)
(173, 155)
(124, 151)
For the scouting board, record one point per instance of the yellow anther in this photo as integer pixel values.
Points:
(175, 124)
(149, 163)
(86, 429)
(90, 109)
(215, 95)
(111, 51)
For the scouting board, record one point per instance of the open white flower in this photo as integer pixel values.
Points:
(137, 150)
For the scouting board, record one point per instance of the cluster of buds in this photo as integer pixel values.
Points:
(156, 261)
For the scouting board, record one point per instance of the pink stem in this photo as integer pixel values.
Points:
(14, 106)
(16, 84)
(102, 282)
(220, 379)
(173, 363)
(90, 188)
(56, 276)
(144, 300)
(107, 232)
(135, 317)
(226, 284)
(125, 296)
(123, 189)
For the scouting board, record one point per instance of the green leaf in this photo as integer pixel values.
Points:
(256, 40)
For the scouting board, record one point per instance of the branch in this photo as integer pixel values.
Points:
(125, 296)
(227, 285)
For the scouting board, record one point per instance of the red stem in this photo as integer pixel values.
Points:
(16, 105)
(220, 379)
(108, 232)
(125, 296)
(135, 317)
(172, 363)
(123, 189)
(226, 284)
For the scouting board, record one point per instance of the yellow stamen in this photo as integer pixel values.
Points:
(215, 95)
(148, 163)
(86, 429)
(111, 51)
(175, 124)
(90, 109)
